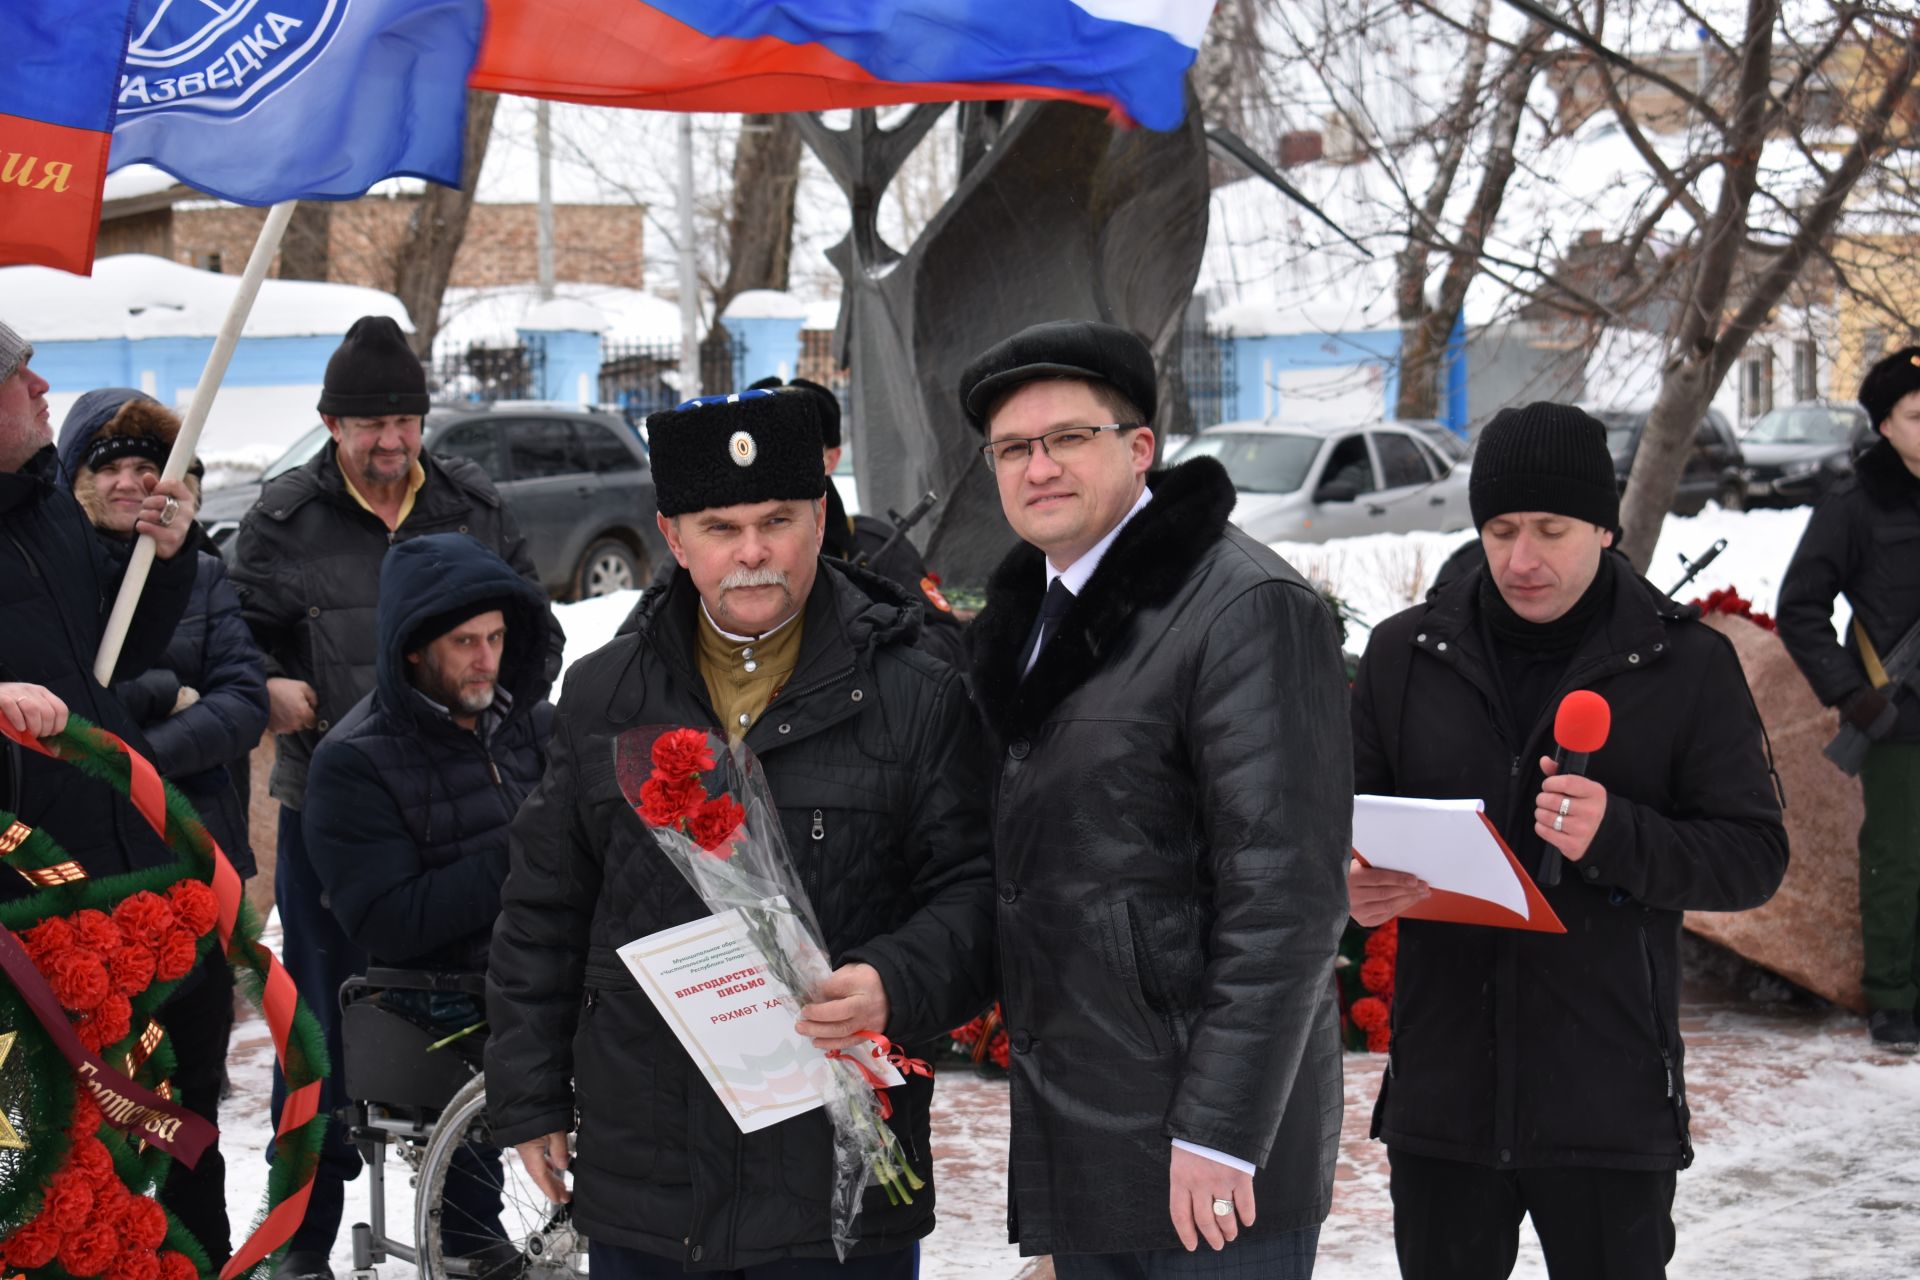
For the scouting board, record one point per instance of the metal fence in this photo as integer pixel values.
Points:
(642, 377)
(483, 374)
(1209, 372)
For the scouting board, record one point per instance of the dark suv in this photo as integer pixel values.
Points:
(577, 483)
(1714, 462)
(1795, 454)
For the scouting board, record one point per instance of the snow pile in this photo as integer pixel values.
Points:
(765, 304)
(493, 316)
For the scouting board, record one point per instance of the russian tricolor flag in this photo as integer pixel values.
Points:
(812, 55)
(56, 121)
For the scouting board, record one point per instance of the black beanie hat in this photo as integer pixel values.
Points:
(374, 373)
(829, 406)
(722, 451)
(1544, 457)
(1084, 349)
(434, 626)
(1888, 382)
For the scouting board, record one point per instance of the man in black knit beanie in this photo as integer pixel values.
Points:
(1539, 1073)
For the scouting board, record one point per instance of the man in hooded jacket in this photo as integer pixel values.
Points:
(873, 760)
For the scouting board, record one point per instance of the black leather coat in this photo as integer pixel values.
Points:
(1863, 542)
(1516, 1049)
(306, 563)
(874, 760)
(1171, 830)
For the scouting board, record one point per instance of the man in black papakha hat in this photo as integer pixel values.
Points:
(1172, 823)
(1540, 1073)
(871, 751)
(306, 563)
(1863, 543)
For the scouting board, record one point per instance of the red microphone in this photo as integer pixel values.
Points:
(1580, 728)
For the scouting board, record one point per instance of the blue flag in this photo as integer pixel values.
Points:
(257, 101)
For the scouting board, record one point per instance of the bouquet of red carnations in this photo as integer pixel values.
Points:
(726, 841)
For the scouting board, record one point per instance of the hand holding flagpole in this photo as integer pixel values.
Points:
(188, 440)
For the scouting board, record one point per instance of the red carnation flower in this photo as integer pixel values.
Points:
(194, 906)
(1378, 1041)
(131, 969)
(78, 978)
(1376, 975)
(145, 918)
(175, 955)
(714, 823)
(144, 1223)
(45, 938)
(174, 1266)
(665, 804)
(134, 1264)
(113, 1019)
(86, 1118)
(69, 1201)
(998, 1051)
(680, 753)
(1369, 1013)
(88, 1251)
(32, 1246)
(1384, 942)
(91, 1158)
(110, 1203)
(95, 931)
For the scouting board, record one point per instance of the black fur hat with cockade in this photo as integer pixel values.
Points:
(725, 451)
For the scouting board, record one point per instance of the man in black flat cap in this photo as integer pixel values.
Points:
(1864, 543)
(874, 760)
(306, 564)
(1173, 802)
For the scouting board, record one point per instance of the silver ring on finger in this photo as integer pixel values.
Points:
(1566, 805)
(1559, 823)
(169, 511)
(1222, 1207)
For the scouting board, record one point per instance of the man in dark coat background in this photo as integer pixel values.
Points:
(1540, 1073)
(409, 798)
(306, 563)
(1863, 542)
(874, 760)
(1172, 819)
(202, 707)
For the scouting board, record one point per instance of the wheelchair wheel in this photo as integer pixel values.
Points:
(477, 1215)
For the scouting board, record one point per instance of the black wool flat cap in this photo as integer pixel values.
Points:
(1061, 349)
(727, 451)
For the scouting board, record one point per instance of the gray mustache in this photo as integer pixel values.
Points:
(753, 578)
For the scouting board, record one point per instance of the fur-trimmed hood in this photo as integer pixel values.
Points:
(111, 411)
(1144, 568)
(1884, 478)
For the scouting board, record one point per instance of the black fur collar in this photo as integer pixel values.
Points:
(1885, 479)
(1144, 568)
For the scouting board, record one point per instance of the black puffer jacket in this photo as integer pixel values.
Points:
(57, 586)
(1863, 542)
(1171, 828)
(1514, 1049)
(407, 812)
(306, 562)
(875, 763)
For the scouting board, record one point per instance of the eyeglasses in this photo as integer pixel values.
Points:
(1059, 445)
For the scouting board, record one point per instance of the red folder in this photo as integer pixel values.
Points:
(1462, 908)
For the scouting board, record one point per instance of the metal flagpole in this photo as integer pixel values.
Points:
(689, 280)
(188, 440)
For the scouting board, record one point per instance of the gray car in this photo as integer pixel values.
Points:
(1310, 484)
(577, 484)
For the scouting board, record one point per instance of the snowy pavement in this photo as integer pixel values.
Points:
(1808, 1167)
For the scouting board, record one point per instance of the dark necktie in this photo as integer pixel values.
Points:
(1052, 609)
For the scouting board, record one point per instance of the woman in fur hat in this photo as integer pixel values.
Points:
(203, 709)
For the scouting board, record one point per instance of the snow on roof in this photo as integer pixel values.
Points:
(493, 316)
(136, 295)
(565, 314)
(822, 314)
(137, 180)
(766, 304)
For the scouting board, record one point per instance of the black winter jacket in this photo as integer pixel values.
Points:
(306, 562)
(1172, 820)
(57, 586)
(1514, 1049)
(1863, 542)
(407, 812)
(875, 763)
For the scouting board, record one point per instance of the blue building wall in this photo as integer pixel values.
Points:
(169, 368)
(569, 366)
(1259, 359)
(772, 345)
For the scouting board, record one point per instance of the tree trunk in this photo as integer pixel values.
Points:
(306, 252)
(766, 179)
(439, 224)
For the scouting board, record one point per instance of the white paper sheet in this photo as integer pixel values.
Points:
(735, 1020)
(1444, 842)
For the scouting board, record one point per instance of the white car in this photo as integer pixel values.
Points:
(1310, 483)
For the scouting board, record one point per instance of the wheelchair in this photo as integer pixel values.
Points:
(420, 1095)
